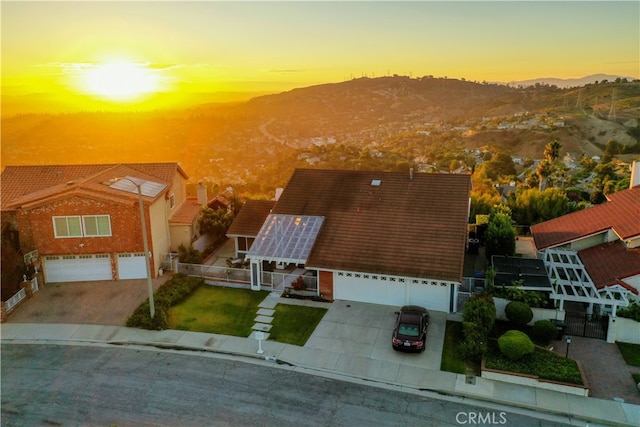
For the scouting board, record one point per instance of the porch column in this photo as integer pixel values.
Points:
(590, 309)
(256, 274)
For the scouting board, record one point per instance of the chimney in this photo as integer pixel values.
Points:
(279, 191)
(410, 174)
(635, 174)
(202, 194)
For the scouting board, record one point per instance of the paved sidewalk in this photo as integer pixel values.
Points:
(567, 409)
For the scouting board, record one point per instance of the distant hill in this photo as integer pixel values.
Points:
(567, 83)
(242, 143)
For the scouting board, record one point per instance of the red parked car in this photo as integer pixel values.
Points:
(410, 332)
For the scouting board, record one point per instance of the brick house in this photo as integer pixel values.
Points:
(377, 237)
(84, 220)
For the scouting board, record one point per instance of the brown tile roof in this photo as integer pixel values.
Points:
(28, 184)
(621, 214)
(250, 218)
(187, 212)
(610, 263)
(409, 227)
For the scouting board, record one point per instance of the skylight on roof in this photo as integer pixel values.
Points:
(149, 188)
(286, 238)
(376, 182)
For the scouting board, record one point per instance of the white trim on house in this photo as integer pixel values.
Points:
(571, 282)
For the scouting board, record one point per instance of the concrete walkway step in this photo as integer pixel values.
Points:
(263, 319)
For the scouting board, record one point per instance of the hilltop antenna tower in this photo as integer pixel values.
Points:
(612, 110)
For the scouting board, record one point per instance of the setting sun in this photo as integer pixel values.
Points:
(119, 81)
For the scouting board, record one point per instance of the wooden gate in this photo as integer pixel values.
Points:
(584, 325)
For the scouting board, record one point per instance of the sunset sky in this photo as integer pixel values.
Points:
(125, 52)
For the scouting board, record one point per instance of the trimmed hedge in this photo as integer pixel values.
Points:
(544, 331)
(542, 363)
(518, 312)
(172, 292)
(515, 344)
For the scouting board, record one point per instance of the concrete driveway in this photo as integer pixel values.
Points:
(362, 329)
(106, 302)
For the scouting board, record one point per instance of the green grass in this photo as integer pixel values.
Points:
(217, 310)
(542, 363)
(294, 324)
(451, 360)
(630, 352)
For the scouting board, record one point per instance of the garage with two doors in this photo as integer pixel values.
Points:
(93, 267)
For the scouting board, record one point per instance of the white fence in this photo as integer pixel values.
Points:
(17, 298)
(12, 302)
(241, 276)
(623, 329)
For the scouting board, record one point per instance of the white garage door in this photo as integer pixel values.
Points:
(390, 290)
(77, 268)
(132, 266)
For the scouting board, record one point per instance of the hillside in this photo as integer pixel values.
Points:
(241, 143)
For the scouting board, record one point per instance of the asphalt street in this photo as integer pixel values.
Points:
(87, 385)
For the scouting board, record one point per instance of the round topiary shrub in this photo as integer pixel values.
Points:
(544, 331)
(518, 312)
(515, 344)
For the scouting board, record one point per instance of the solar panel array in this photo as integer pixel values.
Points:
(149, 188)
(286, 238)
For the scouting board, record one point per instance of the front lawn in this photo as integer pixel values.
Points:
(294, 324)
(630, 352)
(451, 360)
(217, 310)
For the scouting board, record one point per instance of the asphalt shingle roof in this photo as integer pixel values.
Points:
(621, 213)
(401, 226)
(250, 218)
(28, 184)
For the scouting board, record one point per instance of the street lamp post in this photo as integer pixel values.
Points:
(152, 308)
(567, 352)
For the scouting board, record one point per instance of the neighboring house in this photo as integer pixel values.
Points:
(593, 256)
(86, 226)
(376, 237)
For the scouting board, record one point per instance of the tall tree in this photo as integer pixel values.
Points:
(215, 222)
(500, 237)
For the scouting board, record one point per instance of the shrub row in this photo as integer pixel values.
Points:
(630, 312)
(172, 292)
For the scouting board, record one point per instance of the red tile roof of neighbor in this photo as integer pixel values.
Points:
(609, 263)
(409, 227)
(30, 184)
(187, 212)
(621, 214)
(249, 220)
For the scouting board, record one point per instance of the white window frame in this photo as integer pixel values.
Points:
(66, 218)
(95, 217)
(81, 225)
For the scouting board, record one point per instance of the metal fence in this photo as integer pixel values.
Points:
(241, 276)
(469, 287)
